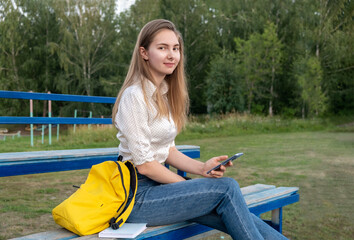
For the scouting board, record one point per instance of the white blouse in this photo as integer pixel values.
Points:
(143, 136)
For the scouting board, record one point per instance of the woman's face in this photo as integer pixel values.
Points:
(163, 54)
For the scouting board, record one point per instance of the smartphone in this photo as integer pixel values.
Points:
(237, 155)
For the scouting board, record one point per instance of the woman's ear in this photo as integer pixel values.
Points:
(143, 53)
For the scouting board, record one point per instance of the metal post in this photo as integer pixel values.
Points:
(42, 134)
(57, 132)
(277, 219)
(89, 126)
(75, 116)
(50, 115)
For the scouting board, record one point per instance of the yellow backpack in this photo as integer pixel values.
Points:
(105, 199)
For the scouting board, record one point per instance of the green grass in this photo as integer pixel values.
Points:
(94, 137)
(321, 164)
(319, 159)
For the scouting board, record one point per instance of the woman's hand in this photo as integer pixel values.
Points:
(213, 162)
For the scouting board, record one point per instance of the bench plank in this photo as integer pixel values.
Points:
(21, 163)
(60, 234)
(59, 154)
(259, 198)
(255, 188)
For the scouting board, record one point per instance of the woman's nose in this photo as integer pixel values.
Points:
(170, 54)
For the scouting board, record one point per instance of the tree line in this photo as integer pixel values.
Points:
(283, 57)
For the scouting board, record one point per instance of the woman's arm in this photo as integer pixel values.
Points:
(187, 164)
(158, 172)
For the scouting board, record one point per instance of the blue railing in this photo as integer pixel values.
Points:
(54, 120)
(54, 97)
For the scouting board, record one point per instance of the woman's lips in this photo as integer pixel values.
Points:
(169, 65)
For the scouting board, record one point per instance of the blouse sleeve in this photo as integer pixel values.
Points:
(132, 121)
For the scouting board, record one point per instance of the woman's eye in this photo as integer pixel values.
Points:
(176, 49)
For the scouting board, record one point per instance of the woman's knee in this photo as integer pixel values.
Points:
(218, 185)
(230, 182)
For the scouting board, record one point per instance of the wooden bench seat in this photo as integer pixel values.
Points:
(21, 163)
(260, 198)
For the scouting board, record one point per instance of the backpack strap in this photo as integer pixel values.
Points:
(117, 221)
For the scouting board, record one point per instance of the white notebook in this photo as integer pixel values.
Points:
(128, 230)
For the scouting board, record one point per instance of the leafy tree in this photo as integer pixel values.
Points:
(196, 22)
(326, 31)
(272, 56)
(259, 60)
(128, 27)
(41, 67)
(248, 65)
(13, 45)
(309, 75)
(83, 47)
(12, 28)
(88, 38)
(224, 86)
(337, 60)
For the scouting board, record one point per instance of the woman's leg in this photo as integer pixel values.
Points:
(267, 232)
(171, 203)
(214, 221)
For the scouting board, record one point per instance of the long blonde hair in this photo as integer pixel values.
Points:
(178, 100)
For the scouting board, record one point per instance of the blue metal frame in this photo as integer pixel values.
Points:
(181, 233)
(13, 167)
(275, 204)
(53, 120)
(51, 165)
(56, 97)
(271, 205)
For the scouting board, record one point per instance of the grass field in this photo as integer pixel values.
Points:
(319, 161)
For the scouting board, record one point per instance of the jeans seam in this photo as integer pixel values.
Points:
(234, 207)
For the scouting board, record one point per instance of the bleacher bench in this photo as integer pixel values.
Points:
(260, 198)
(21, 163)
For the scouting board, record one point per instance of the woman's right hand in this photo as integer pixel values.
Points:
(213, 162)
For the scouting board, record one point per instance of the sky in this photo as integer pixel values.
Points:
(123, 5)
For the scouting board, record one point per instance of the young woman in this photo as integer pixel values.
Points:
(150, 110)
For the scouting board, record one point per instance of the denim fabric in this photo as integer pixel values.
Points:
(217, 203)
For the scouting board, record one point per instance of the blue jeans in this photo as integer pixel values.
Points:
(217, 203)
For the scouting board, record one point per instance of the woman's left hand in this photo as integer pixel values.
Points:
(213, 162)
